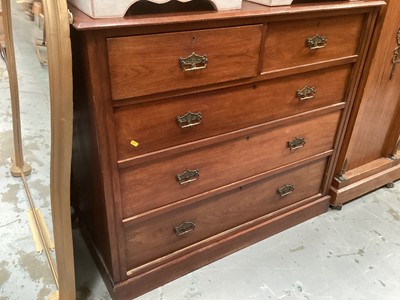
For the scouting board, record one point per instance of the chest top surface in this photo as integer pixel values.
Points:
(250, 10)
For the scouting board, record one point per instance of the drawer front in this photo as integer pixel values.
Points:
(301, 42)
(142, 65)
(159, 236)
(153, 185)
(155, 125)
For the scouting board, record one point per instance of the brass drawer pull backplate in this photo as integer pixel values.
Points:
(188, 176)
(308, 92)
(189, 119)
(286, 190)
(316, 42)
(297, 143)
(185, 228)
(193, 62)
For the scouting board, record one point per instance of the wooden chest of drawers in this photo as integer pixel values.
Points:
(196, 135)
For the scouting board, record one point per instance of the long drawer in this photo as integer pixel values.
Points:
(155, 125)
(146, 64)
(162, 182)
(159, 236)
(302, 42)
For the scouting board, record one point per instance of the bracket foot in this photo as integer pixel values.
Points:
(390, 185)
(16, 171)
(336, 207)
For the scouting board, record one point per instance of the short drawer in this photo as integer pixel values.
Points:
(301, 42)
(148, 186)
(158, 236)
(155, 125)
(147, 64)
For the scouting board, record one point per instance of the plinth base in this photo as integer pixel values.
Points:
(16, 171)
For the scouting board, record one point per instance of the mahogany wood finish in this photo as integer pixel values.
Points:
(128, 148)
(224, 110)
(156, 185)
(284, 45)
(151, 69)
(218, 214)
(242, 237)
(371, 140)
(369, 183)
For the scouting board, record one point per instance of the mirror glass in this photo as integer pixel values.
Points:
(23, 270)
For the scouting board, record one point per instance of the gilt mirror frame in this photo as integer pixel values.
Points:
(57, 22)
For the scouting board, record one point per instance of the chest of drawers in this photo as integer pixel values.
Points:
(198, 134)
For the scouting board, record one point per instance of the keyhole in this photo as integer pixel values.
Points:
(194, 39)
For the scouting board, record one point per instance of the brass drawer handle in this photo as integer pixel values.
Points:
(308, 92)
(316, 42)
(188, 176)
(185, 228)
(189, 119)
(296, 143)
(286, 190)
(193, 62)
